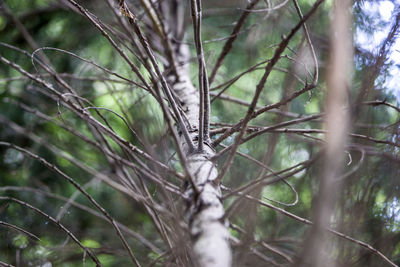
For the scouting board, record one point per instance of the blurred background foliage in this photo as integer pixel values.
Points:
(368, 206)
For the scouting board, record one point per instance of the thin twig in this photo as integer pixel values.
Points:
(229, 43)
(337, 233)
(77, 186)
(12, 226)
(204, 87)
(61, 226)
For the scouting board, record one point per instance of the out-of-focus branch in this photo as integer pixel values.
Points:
(61, 226)
(334, 232)
(229, 43)
(375, 68)
(315, 80)
(95, 23)
(83, 191)
(123, 227)
(250, 112)
(317, 247)
(19, 229)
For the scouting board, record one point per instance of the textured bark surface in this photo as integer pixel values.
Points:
(205, 212)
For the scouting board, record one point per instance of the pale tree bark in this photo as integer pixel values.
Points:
(205, 212)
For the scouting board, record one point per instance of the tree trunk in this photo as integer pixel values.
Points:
(205, 212)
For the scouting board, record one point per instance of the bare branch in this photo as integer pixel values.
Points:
(62, 227)
(305, 221)
(204, 87)
(229, 43)
(20, 230)
(77, 186)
